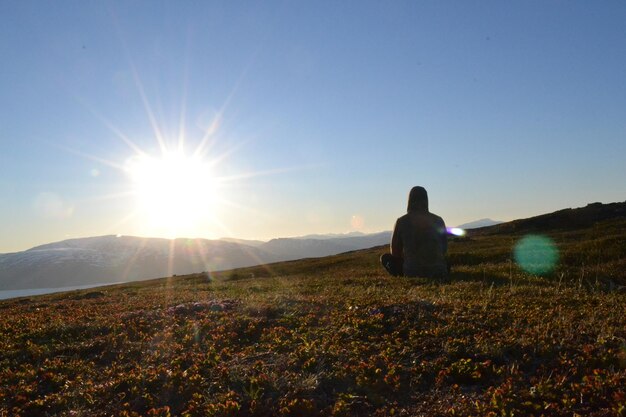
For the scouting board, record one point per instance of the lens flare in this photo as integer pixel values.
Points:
(53, 206)
(455, 231)
(357, 222)
(536, 254)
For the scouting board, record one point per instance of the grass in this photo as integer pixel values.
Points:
(334, 336)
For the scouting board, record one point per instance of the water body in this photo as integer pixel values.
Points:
(4, 295)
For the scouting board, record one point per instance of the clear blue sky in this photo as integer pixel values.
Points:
(326, 110)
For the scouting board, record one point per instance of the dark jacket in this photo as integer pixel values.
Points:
(419, 238)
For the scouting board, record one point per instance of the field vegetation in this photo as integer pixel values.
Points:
(335, 336)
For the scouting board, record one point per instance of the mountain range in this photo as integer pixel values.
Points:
(108, 259)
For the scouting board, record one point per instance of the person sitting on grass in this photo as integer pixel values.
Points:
(419, 241)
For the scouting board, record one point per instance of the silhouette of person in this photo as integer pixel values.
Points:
(419, 241)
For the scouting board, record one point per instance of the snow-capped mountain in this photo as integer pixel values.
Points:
(126, 258)
(116, 259)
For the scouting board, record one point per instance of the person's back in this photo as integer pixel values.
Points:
(419, 243)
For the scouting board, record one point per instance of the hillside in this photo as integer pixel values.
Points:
(335, 336)
(570, 218)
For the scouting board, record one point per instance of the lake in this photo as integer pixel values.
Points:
(4, 295)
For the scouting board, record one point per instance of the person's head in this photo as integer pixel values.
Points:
(418, 199)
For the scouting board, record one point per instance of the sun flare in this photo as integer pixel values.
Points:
(174, 192)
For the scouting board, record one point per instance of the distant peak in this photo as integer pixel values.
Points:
(323, 236)
(479, 223)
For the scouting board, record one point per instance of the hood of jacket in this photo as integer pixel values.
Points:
(418, 199)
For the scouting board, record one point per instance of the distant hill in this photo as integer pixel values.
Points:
(127, 258)
(570, 218)
(479, 223)
(296, 248)
(243, 241)
(331, 235)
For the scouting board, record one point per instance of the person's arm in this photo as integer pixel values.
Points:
(396, 242)
(444, 244)
(444, 237)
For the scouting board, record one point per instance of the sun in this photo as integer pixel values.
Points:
(174, 192)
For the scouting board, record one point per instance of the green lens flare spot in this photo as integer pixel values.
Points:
(536, 254)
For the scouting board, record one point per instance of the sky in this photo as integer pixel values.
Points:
(270, 119)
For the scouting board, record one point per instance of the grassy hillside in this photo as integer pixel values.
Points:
(335, 336)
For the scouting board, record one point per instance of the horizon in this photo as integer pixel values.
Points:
(338, 234)
(272, 120)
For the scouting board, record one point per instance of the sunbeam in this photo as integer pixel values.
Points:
(184, 97)
(129, 266)
(113, 229)
(94, 158)
(106, 122)
(140, 89)
(217, 120)
(264, 173)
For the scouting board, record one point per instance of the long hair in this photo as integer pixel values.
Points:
(418, 199)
